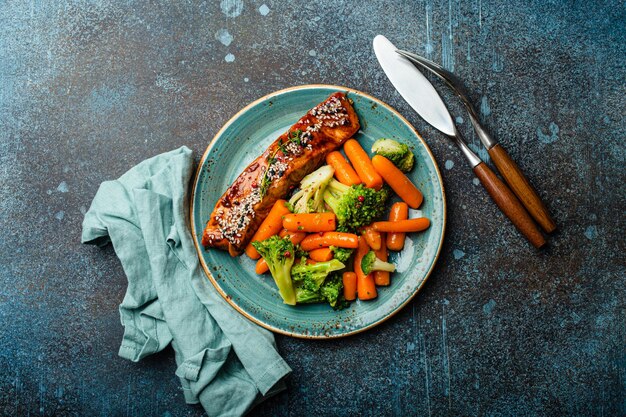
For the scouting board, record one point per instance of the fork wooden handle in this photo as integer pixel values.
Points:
(522, 188)
(509, 204)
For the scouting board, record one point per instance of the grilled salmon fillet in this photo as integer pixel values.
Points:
(295, 154)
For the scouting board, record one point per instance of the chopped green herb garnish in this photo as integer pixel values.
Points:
(295, 137)
(266, 181)
(282, 148)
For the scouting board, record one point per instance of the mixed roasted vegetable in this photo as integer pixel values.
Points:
(327, 244)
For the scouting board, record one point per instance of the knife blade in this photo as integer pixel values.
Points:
(413, 86)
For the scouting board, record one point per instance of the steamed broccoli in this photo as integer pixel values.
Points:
(355, 206)
(279, 255)
(341, 254)
(305, 295)
(332, 291)
(371, 263)
(309, 280)
(309, 199)
(314, 275)
(396, 152)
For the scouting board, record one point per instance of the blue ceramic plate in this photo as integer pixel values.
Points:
(241, 140)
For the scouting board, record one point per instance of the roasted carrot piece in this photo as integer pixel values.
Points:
(270, 226)
(349, 286)
(365, 285)
(399, 211)
(410, 225)
(398, 182)
(310, 222)
(339, 239)
(372, 237)
(343, 170)
(313, 241)
(295, 237)
(321, 255)
(362, 164)
(382, 278)
(261, 267)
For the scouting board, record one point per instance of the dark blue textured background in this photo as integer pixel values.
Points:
(88, 89)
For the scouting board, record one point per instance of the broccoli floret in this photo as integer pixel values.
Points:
(355, 206)
(310, 278)
(332, 292)
(396, 152)
(279, 255)
(341, 254)
(371, 263)
(314, 275)
(309, 199)
(307, 296)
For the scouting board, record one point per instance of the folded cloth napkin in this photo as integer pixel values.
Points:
(225, 362)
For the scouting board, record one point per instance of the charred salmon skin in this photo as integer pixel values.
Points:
(296, 153)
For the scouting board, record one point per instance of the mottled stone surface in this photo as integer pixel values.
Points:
(88, 89)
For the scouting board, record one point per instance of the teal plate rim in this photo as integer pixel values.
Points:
(200, 249)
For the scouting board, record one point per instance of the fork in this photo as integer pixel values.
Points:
(508, 168)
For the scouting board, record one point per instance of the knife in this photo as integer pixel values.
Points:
(415, 88)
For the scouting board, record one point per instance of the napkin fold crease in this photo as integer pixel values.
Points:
(224, 361)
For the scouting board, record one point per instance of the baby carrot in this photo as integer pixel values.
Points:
(382, 277)
(270, 226)
(321, 255)
(314, 241)
(309, 222)
(399, 211)
(365, 285)
(410, 225)
(338, 239)
(295, 237)
(372, 237)
(398, 182)
(349, 285)
(343, 170)
(261, 267)
(362, 164)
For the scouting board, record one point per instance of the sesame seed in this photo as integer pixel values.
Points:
(330, 109)
(238, 217)
(293, 148)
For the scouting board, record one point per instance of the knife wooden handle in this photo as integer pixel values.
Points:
(522, 188)
(509, 204)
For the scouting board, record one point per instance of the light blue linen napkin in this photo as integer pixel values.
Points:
(225, 362)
